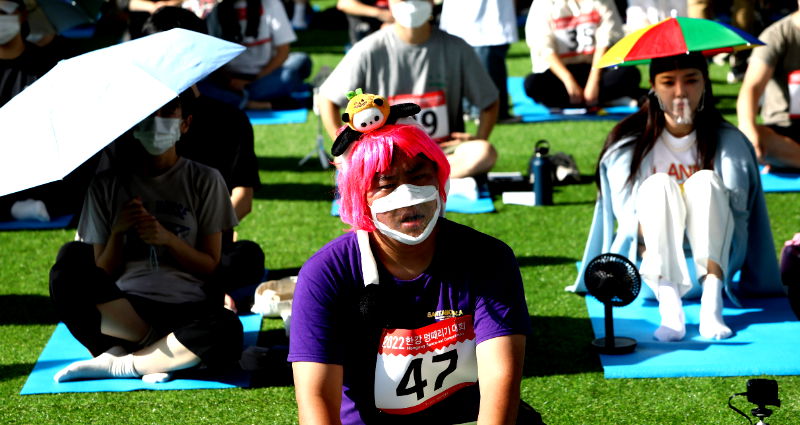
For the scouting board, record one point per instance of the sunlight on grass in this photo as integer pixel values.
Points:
(291, 220)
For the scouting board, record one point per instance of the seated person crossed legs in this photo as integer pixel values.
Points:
(139, 294)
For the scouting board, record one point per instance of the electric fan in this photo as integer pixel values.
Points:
(615, 282)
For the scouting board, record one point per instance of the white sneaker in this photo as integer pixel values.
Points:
(623, 101)
(734, 77)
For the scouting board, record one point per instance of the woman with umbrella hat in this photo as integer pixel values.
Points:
(676, 171)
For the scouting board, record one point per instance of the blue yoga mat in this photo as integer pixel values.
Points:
(56, 223)
(766, 341)
(780, 181)
(455, 203)
(288, 116)
(63, 349)
(530, 111)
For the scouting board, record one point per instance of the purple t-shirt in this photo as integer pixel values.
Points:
(472, 274)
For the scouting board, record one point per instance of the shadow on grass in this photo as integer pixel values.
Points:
(536, 260)
(559, 346)
(272, 368)
(289, 163)
(11, 371)
(295, 192)
(26, 310)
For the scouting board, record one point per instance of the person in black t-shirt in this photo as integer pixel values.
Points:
(21, 64)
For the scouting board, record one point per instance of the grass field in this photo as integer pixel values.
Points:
(563, 379)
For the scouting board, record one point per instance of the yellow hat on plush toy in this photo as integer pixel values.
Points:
(365, 112)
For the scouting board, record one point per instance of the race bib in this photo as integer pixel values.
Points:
(794, 94)
(418, 368)
(575, 34)
(433, 114)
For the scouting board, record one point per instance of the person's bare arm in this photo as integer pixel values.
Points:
(755, 82)
(330, 114)
(242, 200)
(499, 376)
(574, 89)
(201, 261)
(318, 390)
(109, 256)
(151, 6)
(487, 120)
(281, 53)
(357, 8)
(591, 93)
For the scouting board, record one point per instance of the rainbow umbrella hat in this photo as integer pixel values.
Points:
(675, 36)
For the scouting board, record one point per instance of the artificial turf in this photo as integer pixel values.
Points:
(291, 220)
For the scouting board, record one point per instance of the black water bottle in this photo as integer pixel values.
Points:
(541, 171)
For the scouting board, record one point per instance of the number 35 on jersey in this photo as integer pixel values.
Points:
(417, 368)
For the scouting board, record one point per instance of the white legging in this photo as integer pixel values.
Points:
(666, 212)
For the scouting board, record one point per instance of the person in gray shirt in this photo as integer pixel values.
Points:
(138, 292)
(413, 61)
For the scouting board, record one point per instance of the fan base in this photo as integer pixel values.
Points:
(622, 345)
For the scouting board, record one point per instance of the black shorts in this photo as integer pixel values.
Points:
(792, 131)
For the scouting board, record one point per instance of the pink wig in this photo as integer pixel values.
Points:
(372, 154)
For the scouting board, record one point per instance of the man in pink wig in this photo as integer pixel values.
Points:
(397, 320)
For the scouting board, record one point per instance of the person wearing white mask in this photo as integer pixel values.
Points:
(413, 61)
(137, 291)
(21, 63)
(409, 317)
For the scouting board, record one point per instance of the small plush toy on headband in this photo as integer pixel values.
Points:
(366, 112)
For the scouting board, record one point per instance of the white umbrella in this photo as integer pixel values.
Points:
(86, 102)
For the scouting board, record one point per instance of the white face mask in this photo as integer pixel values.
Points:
(412, 13)
(158, 134)
(681, 110)
(9, 27)
(406, 195)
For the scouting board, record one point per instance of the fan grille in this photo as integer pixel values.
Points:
(612, 278)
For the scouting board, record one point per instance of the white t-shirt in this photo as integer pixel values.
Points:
(642, 13)
(275, 30)
(573, 29)
(676, 156)
(480, 22)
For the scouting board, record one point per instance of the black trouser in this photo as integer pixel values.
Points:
(77, 286)
(546, 88)
(792, 132)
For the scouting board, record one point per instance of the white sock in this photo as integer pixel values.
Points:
(673, 320)
(711, 323)
(157, 378)
(114, 363)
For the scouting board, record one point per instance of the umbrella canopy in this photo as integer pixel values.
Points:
(64, 15)
(676, 36)
(86, 102)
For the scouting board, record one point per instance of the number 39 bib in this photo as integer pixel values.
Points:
(433, 113)
(417, 368)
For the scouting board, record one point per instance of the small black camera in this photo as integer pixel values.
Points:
(763, 392)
